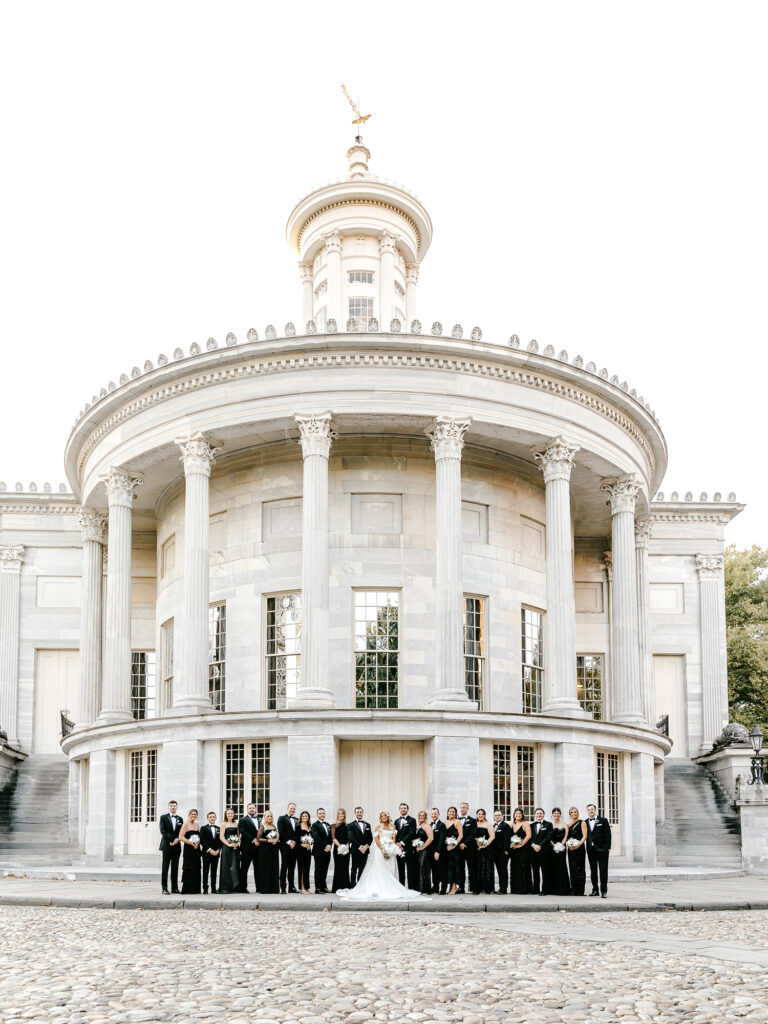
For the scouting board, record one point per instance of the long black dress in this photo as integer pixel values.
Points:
(340, 860)
(425, 862)
(555, 881)
(229, 869)
(192, 865)
(454, 867)
(268, 865)
(577, 860)
(303, 858)
(484, 863)
(520, 865)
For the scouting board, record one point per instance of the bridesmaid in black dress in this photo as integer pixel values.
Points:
(454, 867)
(268, 867)
(577, 855)
(304, 851)
(229, 869)
(520, 855)
(192, 861)
(424, 855)
(340, 840)
(483, 830)
(555, 880)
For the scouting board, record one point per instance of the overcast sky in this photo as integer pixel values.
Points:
(596, 174)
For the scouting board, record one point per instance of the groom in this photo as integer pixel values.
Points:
(360, 842)
(405, 833)
(598, 849)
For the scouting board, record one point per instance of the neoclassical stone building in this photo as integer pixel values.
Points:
(362, 561)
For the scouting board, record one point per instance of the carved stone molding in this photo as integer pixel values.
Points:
(622, 493)
(608, 561)
(709, 567)
(411, 273)
(316, 433)
(446, 437)
(556, 460)
(120, 486)
(305, 271)
(11, 557)
(642, 532)
(388, 243)
(92, 525)
(332, 242)
(197, 453)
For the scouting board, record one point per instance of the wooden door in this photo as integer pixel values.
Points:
(55, 691)
(380, 774)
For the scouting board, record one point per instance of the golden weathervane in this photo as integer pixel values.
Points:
(360, 118)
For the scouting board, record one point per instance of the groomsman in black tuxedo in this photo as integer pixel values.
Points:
(468, 850)
(287, 826)
(170, 846)
(405, 832)
(598, 849)
(541, 834)
(500, 849)
(321, 851)
(249, 851)
(360, 840)
(438, 850)
(210, 843)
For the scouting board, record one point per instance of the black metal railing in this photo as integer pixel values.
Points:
(67, 725)
(662, 725)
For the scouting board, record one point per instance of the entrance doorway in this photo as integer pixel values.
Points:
(55, 691)
(379, 775)
(669, 687)
(143, 836)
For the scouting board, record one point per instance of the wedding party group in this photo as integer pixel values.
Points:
(402, 859)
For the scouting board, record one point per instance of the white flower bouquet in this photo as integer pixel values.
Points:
(234, 841)
(272, 834)
(572, 843)
(417, 844)
(390, 849)
(194, 840)
(516, 841)
(451, 841)
(482, 842)
(306, 840)
(558, 847)
(343, 849)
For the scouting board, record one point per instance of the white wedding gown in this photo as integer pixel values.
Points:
(379, 881)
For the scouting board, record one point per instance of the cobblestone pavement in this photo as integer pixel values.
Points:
(59, 966)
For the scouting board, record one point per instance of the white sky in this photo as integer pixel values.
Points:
(595, 171)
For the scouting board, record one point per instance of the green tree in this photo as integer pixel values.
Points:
(746, 620)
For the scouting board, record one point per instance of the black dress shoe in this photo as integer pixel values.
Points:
(166, 893)
(205, 892)
(594, 893)
(293, 890)
(176, 892)
(604, 895)
(282, 892)
(215, 891)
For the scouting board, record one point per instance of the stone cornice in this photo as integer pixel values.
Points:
(58, 504)
(694, 512)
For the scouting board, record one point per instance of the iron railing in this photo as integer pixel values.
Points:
(67, 725)
(663, 725)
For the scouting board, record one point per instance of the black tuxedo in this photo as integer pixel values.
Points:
(598, 850)
(288, 832)
(170, 826)
(468, 856)
(210, 841)
(249, 853)
(500, 852)
(405, 833)
(438, 846)
(321, 833)
(539, 860)
(358, 837)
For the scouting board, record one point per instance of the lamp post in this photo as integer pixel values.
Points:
(758, 763)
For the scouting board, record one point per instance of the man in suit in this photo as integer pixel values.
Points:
(438, 849)
(287, 825)
(170, 846)
(598, 849)
(541, 834)
(405, 832)
(468, 850)
(249, 851)
(500, 849)
(210, 843)
(360, 842)
(321, 851)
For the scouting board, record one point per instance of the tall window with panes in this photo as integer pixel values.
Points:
(608, 786)
(217, 655)
(247, 776)
(474, 648)
(377, 648)
(166, 655)
(514, 779)
(143, 695)
(283, 649)
(532, 628)
(143, 783)
(589, 684)
(361, 308)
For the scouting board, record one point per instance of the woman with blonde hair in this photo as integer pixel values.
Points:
(379, 880)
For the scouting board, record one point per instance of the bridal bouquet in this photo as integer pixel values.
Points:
(451, 841)
(306, 839)
(272, 834)
(558, 847)
(516, 841)
(482, 842)
(194, 840)
(417, 844)
(572, 843)
(343, 849)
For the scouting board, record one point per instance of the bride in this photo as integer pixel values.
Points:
(379, 879)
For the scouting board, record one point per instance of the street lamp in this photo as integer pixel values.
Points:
(758, 763)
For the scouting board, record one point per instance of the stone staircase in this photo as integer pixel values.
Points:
(33, 814)
(700, 827)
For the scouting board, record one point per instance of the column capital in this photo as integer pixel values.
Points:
(642, 532)
(622, 493)
(11, 557)
(120, 487)
(92, 525)
(332, 241)
(197, 453)
(305, 271)
(556, 459)
(387, 243)
(709, 567)
(608, 564)
(316, 433)
(446, 437)
(411, 273)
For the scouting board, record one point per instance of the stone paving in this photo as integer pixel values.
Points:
(60, 966)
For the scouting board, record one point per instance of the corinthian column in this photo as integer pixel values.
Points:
(387, 280)
(11, 559)
(116, 684)
(447, 441)
(197, 453)
(335, 293)
(627, 698)
(305, 273)
(92, 526)
(714, 667)
(645, 651)
(411, 280)
(316, 435)
(560, 696)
